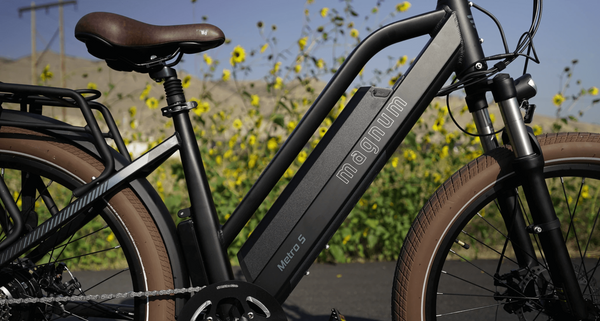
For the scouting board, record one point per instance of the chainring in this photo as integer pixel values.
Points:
(232, 300)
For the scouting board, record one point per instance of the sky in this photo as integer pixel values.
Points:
(569, 30)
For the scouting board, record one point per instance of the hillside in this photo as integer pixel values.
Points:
(121, 90)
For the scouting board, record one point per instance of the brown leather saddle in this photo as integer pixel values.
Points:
(127, 44)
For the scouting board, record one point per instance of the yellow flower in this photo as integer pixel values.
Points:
(558, 99)
(450, 137)
(302, 157)
(264, 47)
(272, 143)
(593, 91)
(401, 61)
(288, 173)
(354, 33)
(228, 154)
(46, 73)
(401, 7)
(145, 92)
(290, 126)
(471, 128)
(255, 100)
(133, 124)
(297, 68)
(238, 55)
(226, 74)
(207, 59)
(302, 43)
(186, 81)
(537, 130)
(92, 85)
(438, 125)
(306, 12)
(202, 107)
(276, 68)
(585, 191)
(110, 237)
(410, 155)
(278, 83)
(346, 239)
(320, 64)
(393, 80)
(395, 161)
(132, 111)
(251, 140)
(219, 160)
(252, 160)
(444, 152)
(152, 103)
(437, 178)
(324, 12)
(374, 206)
(322, 131)
(237, 124)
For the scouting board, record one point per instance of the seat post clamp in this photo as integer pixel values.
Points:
(544, 227)
(178, 107)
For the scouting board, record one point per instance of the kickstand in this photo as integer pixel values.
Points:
(336, 315)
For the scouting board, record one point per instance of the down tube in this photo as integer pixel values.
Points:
(388, 35)
(337, 197)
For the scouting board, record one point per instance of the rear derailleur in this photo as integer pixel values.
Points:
(22, 279)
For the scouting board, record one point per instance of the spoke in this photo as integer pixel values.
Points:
(591, 233)
(591, 274)
(544, 263)
(572, 215)
(492, 276)
(466, 281)
(469, 310)
(491, 296)
(100, 251)
(492, 249)
(506, 237)
(108, 278)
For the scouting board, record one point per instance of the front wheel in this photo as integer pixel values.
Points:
(457, 262)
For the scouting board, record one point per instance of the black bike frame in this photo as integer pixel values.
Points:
(454, 47)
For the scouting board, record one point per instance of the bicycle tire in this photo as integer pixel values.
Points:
(437, 276)
(63, 166)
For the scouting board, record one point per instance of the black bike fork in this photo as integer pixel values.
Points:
(528, 165)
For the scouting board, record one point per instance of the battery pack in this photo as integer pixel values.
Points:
(319, 197)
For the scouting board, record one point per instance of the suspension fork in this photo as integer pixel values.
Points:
(529, 166)
(512, 215)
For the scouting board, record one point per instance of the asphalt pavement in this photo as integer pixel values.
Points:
(361, 291)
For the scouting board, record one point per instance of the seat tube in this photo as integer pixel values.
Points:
(529, 167)
(203, 212)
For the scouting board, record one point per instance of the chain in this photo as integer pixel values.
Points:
(47, 300)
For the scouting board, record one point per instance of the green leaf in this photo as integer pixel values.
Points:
(278, 119)
(338, 253)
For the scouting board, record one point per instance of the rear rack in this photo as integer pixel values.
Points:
(32, 98)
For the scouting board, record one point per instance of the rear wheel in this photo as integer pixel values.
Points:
(457, 262)
(114, 249)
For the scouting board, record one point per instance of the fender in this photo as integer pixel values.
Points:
(140, 186)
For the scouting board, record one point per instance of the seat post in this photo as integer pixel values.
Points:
(203, 211)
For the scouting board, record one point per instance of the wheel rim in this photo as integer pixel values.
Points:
(477, 282)
(101, 242)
